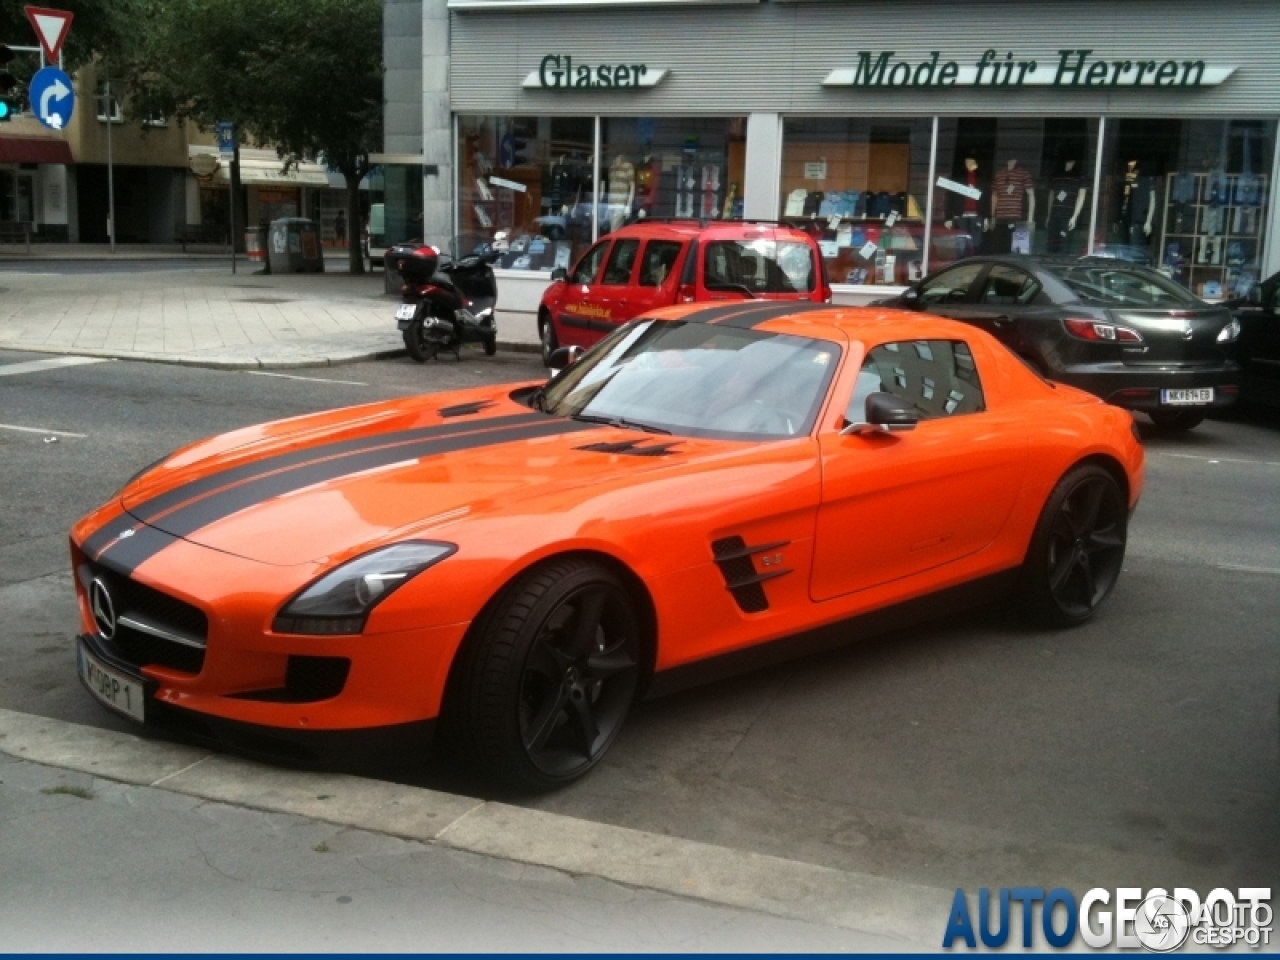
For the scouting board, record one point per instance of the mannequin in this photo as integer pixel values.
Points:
(1137, 206)
(1067, 194)
(622, 190)
(1013, 203)
(964, 211)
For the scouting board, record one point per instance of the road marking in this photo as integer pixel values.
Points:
(1245, 568)
(53, 363)
(290, 376)
(1192, 456)
(44, 430)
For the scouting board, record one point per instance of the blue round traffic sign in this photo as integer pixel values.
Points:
(52, 98)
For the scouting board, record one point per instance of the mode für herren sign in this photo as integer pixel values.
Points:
(1071, 69)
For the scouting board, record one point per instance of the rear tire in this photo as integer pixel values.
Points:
(416, 344)
(490, 346)
(1176, 421)
(545, 681)
(550, 342)
(1077, 549)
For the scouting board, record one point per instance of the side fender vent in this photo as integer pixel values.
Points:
(464, 409)
(632, 448)
(733, 557)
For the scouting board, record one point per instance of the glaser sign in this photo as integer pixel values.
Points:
(557, 72)
(1074, 70)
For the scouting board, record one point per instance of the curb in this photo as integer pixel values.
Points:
(252, 364)
(791, 889)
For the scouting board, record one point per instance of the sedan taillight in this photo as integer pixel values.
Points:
(1099, 332)
(686, 293)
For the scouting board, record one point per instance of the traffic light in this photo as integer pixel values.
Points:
(8, 105)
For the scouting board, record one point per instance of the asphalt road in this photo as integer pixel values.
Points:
(1140, 749)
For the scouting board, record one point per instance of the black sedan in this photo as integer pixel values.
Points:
(1258, 349)
(1118, 330)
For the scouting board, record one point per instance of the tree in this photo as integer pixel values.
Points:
(302, 75)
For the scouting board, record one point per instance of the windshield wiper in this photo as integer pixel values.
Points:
(618, 422)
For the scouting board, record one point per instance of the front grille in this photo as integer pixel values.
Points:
(149, 607)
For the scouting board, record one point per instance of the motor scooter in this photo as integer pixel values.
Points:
(447, 302)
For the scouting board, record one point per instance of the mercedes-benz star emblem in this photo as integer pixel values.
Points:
(104, 613)
(1187, 332)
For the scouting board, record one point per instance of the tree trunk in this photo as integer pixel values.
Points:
(355, 224)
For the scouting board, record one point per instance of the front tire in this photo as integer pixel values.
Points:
(1176, 421)
(547, 679)
(490, 345)
(550, 342)
(1077, 549)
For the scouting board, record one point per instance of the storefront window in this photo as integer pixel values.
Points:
(1013, 185)
(859, 187)
(669, 167)
(531, 177)
(1189, 197)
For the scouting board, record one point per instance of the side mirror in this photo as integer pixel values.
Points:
(559, 274)
(885, 414)
(563, 357)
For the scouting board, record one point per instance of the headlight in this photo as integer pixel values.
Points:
(1229, 333)
(340, 601)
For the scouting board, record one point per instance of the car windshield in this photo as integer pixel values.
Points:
(1113, 285)
(760, 266)
(697, 379)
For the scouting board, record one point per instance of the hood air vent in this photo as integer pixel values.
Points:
(632, 448)
(464, 409)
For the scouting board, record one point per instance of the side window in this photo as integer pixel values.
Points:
(617, 272)
(951, 286)
(938, 377)
(1009, 285)
(589, 265)
(660, 257)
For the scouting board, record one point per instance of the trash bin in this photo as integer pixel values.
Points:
(295, 246)
(255, 245)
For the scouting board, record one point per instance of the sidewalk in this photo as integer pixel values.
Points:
(211, 319)
(117, 842)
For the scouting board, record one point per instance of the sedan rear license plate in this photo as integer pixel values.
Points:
(120, 692)
(1180, 397)
(406, 311)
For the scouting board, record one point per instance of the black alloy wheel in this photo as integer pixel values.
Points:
(550, 343)
(416, 342)
(1077, 550)
(1176, 421)
(545, 685)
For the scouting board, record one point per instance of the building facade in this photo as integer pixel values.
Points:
(903, 134)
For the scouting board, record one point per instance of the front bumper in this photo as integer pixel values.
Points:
(344, 748)
(1138, 388)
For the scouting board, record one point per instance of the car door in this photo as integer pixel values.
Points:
(897, 505)
(1259, 345)
(612, 295)
(1009, 305)
(656, 279)
(578, 305)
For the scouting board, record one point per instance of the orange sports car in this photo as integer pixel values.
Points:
(708, 488)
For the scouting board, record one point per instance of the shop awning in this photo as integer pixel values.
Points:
(34, 150)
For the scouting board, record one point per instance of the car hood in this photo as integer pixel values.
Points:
(314, 491)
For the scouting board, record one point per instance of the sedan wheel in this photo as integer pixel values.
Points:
(1078, 547)
(548, 680)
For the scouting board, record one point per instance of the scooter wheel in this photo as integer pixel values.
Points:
(416, 344)
(490, 346)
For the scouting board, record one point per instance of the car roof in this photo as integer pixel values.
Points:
(683, 229)
(820, 321)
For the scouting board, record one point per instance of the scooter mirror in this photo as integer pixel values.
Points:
(563, 357)
(559, 273)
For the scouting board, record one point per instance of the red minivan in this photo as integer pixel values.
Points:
(658, 263)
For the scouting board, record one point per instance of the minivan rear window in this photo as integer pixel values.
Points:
(1122, 286)
(760, 266)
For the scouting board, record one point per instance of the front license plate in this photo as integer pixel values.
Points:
(1178, 397)
(406, 311)
(119, 692)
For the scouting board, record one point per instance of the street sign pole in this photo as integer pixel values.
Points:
(111, 180)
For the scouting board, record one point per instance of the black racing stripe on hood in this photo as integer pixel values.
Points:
(717, 313)
(125, 556)
(763, 313)
(187, 519)
(208, 483)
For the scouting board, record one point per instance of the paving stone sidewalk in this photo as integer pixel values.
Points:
(205, 316)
